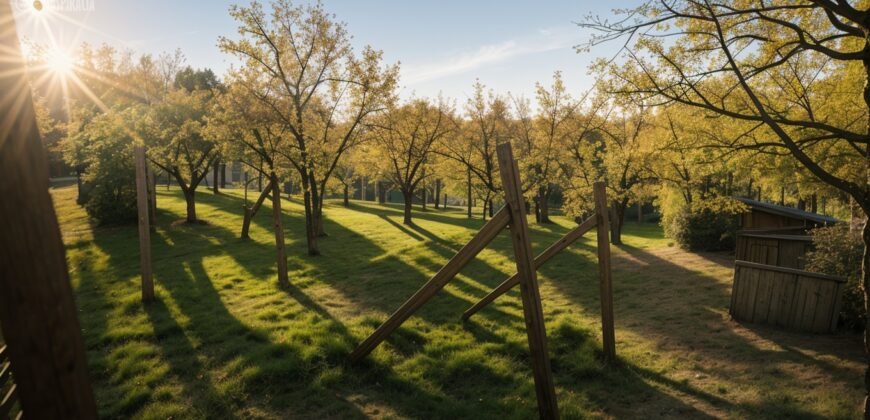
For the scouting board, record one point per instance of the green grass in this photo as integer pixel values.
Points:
(222, 340)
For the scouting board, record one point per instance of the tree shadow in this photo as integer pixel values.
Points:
(224, 339)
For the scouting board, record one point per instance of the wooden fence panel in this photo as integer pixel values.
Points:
(785, 297)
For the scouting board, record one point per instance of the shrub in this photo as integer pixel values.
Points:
(839, 251)
(707, 225)
(104, 147)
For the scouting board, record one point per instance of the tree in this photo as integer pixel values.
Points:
(313, 86)
(486, 126)
(110, 96)
(617, 150)
(176, 141)
(405, 137)
(244, 125)
(540, 138)
(796, 73)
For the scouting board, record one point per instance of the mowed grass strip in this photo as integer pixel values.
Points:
(223, 340)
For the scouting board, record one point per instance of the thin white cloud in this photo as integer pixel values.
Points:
(543, 40)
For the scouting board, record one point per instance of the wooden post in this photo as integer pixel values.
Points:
(144, 230)
(607, 333)
(540, 260)
(483, 237)
(532, 310)
(38, 314)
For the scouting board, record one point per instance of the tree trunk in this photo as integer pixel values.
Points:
(544, 205)
(483, 211)
(79, 198)
(425, 196)
(537, 201)
(215, 183)
(281, 253)
(346, 198)
(152, 195)
(408, 195)
(190, 198)
(468, 198)
(616, 222)
(317, 207)
(310, 223)
(223, 175)
(489, 207)
(437, 193)
(444, 205)
(250, 213)
(865, 273)
(382, 193)
(640, 212)
(814, 203)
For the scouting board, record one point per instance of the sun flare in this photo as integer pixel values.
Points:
(60, 62)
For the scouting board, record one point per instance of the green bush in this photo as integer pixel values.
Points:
(708, 225)
(104, 147)
(839, 251)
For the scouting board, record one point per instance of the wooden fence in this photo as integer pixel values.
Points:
(786, 297)
(773, 249)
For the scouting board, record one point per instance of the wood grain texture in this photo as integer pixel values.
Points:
(531, 297)
(599, 191)
(38, 314)
(786, 297)
(143, 207)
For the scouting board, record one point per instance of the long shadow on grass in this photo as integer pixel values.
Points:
(281, 353)
(339, 343)
(682, 310)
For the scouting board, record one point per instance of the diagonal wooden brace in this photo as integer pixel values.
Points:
(540, 260)
(483, 237)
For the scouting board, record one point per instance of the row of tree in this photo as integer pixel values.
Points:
(302, 106)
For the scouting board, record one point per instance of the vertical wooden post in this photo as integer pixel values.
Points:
(38, 314)
(607, 333)
(144, 230)
(532, 310)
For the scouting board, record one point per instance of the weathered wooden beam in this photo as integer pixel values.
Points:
(483, 237)
(38, 314)
(599, 190)
(532, 309)
(540, 260)
(144, 225)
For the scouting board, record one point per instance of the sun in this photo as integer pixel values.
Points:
(59, 62)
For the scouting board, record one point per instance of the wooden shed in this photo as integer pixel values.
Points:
(772, 217)
(770, 285)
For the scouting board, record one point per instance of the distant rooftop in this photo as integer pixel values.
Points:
(787, 211)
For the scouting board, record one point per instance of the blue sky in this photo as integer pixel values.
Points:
(443, 46)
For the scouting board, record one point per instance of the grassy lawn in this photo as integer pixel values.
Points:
(223, 341)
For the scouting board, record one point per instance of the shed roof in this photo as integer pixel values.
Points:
(786, 211)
